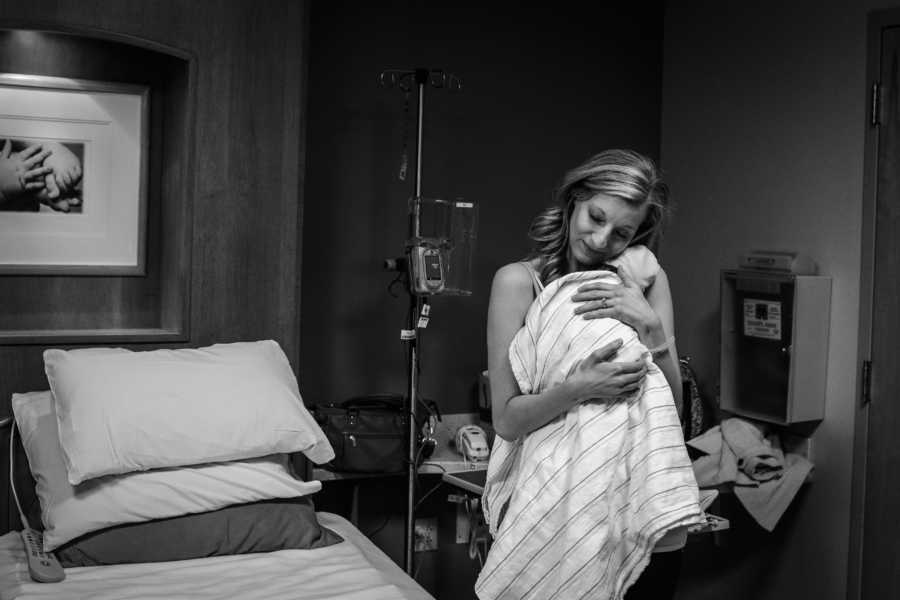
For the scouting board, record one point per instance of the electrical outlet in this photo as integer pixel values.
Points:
(425, 535)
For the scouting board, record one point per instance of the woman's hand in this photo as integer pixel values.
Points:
(625, 302)
(597, 377)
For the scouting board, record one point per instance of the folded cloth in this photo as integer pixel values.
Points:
(765, 479)
(759, 458)
(768, 501)
(719, 464)
(577, 506)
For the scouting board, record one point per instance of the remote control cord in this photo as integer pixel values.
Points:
(12, 481)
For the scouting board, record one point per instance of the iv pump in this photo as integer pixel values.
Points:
(439, 255)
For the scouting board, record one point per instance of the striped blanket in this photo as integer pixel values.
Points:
(576, 506)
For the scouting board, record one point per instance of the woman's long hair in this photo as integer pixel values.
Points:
(623, 174)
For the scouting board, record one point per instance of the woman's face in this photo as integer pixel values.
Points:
(600, 228)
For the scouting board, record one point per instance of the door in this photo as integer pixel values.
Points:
(880, 560)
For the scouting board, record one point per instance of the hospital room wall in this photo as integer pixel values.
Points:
(763, 122)
(542, 90)
(243, 195)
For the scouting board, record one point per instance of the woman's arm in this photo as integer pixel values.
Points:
(651, 315)
(659, 296)
(515, 414)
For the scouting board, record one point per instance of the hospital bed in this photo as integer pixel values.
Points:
(333, 560)
(352, 569)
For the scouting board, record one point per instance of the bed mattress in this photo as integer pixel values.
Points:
(352, 569)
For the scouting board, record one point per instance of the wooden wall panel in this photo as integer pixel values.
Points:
(245, 210)
(90, 304)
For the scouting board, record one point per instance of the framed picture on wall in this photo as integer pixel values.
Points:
(73, 176)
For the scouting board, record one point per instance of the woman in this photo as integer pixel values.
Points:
(603, 211)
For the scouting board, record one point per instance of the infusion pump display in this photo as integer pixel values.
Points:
(427, 270)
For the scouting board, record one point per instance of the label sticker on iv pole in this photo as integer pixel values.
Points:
(762, 319)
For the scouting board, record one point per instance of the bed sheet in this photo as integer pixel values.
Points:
(352, 569)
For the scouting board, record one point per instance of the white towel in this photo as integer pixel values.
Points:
(737, 451)
(765, 479)
(585, 497)
(768, 501)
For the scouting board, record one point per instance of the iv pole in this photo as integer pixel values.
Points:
(415, 310)
(436, 78)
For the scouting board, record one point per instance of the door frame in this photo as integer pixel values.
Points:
(877, 21)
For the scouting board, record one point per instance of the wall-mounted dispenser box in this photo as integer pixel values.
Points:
(774, 345)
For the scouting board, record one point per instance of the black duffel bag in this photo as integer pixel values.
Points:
(368, 433)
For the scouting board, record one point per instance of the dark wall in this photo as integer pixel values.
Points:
(243, 167)
(763, 143)
(543, 89)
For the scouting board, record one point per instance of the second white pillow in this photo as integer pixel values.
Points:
(68, 512)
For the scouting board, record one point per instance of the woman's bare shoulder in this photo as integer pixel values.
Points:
(511, 294)
(515, 274)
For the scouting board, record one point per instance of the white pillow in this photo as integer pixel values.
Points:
(120, 412)
(68, 512)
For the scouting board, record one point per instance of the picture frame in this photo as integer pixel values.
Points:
(87, 215)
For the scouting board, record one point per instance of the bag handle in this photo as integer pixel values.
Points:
(389, 401)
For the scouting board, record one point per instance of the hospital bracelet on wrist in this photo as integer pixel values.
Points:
(663, 348)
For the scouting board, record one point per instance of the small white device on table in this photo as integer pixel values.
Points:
(472, 443)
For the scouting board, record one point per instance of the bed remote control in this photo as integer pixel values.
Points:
(42, 566)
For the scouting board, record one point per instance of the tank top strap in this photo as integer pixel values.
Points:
(535, 278)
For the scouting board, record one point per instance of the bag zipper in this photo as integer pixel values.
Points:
(353, 436)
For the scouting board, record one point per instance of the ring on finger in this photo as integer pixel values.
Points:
(604, 303)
